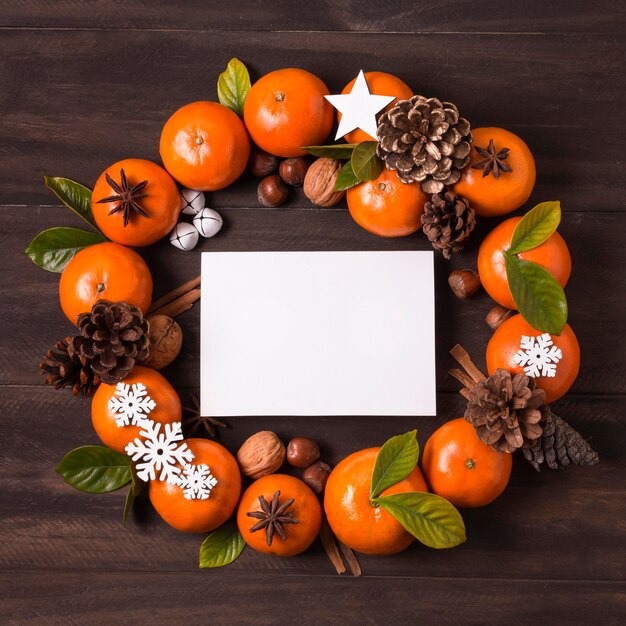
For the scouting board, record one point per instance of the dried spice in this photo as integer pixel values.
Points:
(273, 517)
(492, 162)
(126, 196)
(196, 421)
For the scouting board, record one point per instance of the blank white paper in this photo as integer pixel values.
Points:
(317, 333)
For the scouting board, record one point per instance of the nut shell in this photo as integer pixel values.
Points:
(316, 475)
(497, 315)
(464, 283)
(293, 171)
(261, 163)
(166, 340)
(319, 182)
(302, 452)
(272, 191)
(261, 454)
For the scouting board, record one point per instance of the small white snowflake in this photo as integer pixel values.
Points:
(132, 405)
(159, 451)
(538, 356)
(197, 482)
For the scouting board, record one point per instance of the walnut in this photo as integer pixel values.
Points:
(261, 454)
(319, 182)
(166, 340)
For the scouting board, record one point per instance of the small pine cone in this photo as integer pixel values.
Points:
(113, 336)
(63, 367)
(447, 221)
(426, 141)
(507, 411)
(559, 446)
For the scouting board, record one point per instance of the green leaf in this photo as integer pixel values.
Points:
(133, 491)
(430, 519)
(54, 248)
(535, 227)
(340, 151)
(394, 462)
(95, 469)
(233, 86)
(222, 546)
(537, 295)
(74, 196)
(346, 178)
(365, 163)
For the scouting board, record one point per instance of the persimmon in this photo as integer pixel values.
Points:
(167, 408)
(461, 468)
(379, 84)
(501, 174)
(286, 110)
(106, 271)
(386, 206)
(279, 515)
(553, 255)
(505, 344)
(200, 515)
(204, 146)
(135, 202)
(353, 518)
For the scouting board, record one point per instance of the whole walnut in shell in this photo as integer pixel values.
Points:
(261, 454)
(166, 340)
(319, 182)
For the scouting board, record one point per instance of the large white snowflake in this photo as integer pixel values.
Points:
(197, 482)
(159, 451)
(131, 404)
(538, 356)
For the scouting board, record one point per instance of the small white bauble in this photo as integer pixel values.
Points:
(184, 236)
(208, 222)
(191, 201)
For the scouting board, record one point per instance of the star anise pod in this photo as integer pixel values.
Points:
(492, 161)
(196, 421)
(273, 517)
(126, 197)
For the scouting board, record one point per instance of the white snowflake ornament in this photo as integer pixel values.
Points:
(131, 404)
(538, 356)
(159, 451)
(184, 236)
(197, 482)
(191, 201)
(208, 222)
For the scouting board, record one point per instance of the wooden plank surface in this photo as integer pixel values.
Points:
(84, 84)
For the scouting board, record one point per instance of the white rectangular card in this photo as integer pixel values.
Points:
(317, 333)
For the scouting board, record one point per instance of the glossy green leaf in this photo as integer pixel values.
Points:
(54, 248)
(95, 469)
(340, 151)
(535, 227)
(430, 519)
(365, 164)
(222, 546)
(395, 460)
(346, 178)
(537, 295)
(133, 491)
(74, 196)
(233, 85)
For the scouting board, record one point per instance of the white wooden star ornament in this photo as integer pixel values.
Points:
(358, 108)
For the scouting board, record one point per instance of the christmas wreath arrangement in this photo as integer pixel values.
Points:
(408, 163)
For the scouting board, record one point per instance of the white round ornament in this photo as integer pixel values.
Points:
(208, 222)
(191, 201)
(184, 236)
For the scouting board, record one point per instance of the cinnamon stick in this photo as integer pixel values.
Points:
(180, 305)
(330, 546)
(174, 294)
(351, 559)
(463, 358)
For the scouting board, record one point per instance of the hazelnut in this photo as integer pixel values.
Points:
(497, 315)
(293, 171)
(316, 475)
(319, 182)
(302, 452)
(272, 192)
(464, 283)
(261, 163)
(166, 340)
(261, 454)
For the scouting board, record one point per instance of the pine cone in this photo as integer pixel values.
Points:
(426, 141)
(559, 446)
(113, 336)
(507, 411)
(63, 367)
(447, 221)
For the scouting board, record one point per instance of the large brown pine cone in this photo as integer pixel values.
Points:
(113, 336)
(507, 411)
(425, 140)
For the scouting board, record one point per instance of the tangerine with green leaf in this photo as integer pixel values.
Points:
(505, 344)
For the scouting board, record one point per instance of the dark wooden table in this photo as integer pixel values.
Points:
(84, 84)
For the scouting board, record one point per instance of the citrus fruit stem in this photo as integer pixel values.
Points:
(470, 463)
(100, 287)
(198, 140)
(280, 96)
